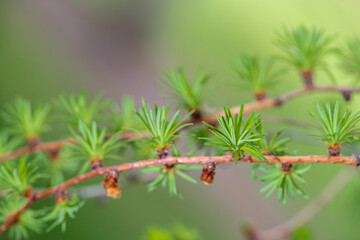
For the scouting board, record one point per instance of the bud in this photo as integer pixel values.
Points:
(111, 184)
(208, 173)
(53, 154)
(60, 196)
(334, 150)
(346, 94)
(286, 167)
(96, 163)
(260, 95)
(162, 152)
(33, 142)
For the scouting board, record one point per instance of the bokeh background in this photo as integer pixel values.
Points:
(121, 47)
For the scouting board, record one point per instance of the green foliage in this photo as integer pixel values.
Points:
(274, 146)
(94, 144)
(19, 180)
(167, 177)
(162, 131)
(8, 143)
(305, 48)
(123, 119)
(62, 211)
(236, 135)
(190, 95)
(80, 108)
(24, 120)
(350, 58)
(285, 182)
(259, 75)
(336, 127)
(302, 233)
(176, 232)
(29, 221)
(62, 164)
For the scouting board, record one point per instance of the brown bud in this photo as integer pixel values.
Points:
(53, 154)
(162, 152)
(208, 173)
(111, 184)
(286, 167)
(33, 142)
(347, 95)
(96, 163)
(196, 115)
(334, 150)
(60, 196)
(169, 167)
(29, 193)
(260, 95)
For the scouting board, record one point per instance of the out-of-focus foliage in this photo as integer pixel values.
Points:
(305, 48)
(19, 179)
(350, 59)
(302, 233)
(8, 143)
(167, 177)
(62, 211)
(176, 232)
(24, 120)
(29, 221)
(285, 181)
(79, 108)
(123, 119)
(259, 75)
(189, 95)
(235, 135)
(274, 146)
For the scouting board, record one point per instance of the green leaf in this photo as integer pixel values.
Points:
(189, 95)
(236, 135)
(163, 132)
(305, 48)
(62, 211)
(284, 182)
(24, 120)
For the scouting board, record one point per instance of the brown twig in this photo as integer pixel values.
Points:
(54, 146)
(285, 229)
(248, 108)
(346, 160)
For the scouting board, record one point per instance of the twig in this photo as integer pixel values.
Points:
(284, 230)
(258, 105)
(346, 160)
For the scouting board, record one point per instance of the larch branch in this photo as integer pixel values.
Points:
(346, 160)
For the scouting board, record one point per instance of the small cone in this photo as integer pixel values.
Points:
(208, 173)
(111, 184)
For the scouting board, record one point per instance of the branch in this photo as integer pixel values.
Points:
(54, 146)
(285, 229)
(278, 101)
(346, 160)
(258, 105)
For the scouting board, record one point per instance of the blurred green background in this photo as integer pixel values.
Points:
(121, 47)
